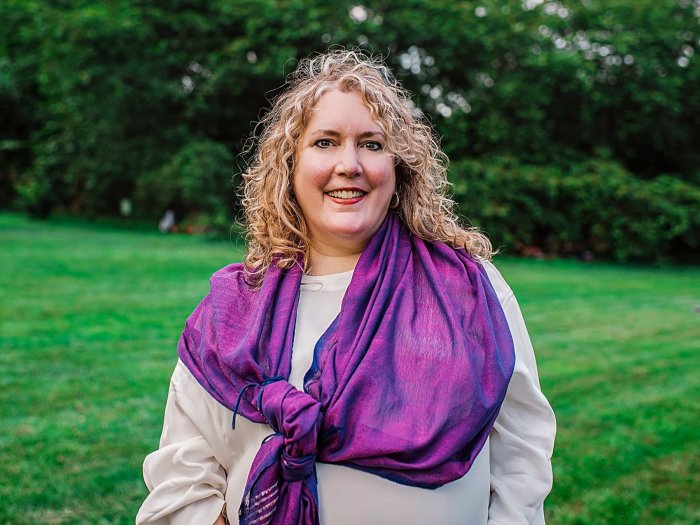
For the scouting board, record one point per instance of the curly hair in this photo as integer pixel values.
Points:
(275, 225)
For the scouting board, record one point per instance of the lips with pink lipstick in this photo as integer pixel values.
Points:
(346, 195)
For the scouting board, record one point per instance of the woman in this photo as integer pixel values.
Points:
(366, 363)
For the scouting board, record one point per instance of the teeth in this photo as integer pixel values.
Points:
(345, 194)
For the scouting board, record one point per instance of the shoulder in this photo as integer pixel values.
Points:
(499, 284)
(444, 255)
(232, 274)
(230, 290)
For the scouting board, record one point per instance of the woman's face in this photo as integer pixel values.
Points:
(344, 179)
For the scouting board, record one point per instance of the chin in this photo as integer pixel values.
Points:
(352, 233)
(354, 228)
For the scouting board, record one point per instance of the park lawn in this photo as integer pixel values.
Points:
(91, 316)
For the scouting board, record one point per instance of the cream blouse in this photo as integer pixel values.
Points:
(202, 463)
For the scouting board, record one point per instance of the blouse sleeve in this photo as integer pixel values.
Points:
(522, 439)
(186, 480)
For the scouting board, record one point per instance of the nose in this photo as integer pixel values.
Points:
(348, 163)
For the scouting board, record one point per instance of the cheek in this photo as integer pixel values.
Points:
(385, 177)
(310, 174)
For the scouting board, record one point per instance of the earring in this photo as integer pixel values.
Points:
(393, 204)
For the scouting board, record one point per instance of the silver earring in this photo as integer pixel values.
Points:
(393, 204)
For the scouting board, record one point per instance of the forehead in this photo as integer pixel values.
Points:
(339, 109)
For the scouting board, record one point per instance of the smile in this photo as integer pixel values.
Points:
(346, 194)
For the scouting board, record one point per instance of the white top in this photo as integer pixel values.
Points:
(202, 463)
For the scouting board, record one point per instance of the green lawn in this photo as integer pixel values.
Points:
(91, 316)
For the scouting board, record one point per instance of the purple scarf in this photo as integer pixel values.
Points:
(406, 382)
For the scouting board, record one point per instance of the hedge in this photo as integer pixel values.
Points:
(593, 208)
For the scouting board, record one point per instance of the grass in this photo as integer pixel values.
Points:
(90, 320)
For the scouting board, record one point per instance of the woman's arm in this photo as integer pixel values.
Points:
(187, 482)
(522, 439)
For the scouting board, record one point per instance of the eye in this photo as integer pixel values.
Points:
(323, 143)
(373, 146)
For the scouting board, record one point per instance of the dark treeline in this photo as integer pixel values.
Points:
(573, 127)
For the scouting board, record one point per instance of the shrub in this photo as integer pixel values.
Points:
(192, 184)
(596, 206)
(33, 196)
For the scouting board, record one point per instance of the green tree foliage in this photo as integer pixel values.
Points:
(113, 100)
(190, 183)
(18, 95)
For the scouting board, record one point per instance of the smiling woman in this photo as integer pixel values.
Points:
(377, 362)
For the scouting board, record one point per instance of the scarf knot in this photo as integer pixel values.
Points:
(289, 455)
(294, 414)
(297, 417)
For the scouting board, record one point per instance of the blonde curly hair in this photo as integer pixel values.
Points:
(276, 229)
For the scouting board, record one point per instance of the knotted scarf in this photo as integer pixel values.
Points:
(406, 382)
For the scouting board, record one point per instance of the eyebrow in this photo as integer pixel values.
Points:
(333, 133)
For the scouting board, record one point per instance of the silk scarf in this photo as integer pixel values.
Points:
(406, 383)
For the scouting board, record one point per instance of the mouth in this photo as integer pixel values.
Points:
(346, 194)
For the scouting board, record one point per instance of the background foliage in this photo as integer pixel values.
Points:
(572, 125)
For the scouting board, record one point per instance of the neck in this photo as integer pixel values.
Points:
(325, 260)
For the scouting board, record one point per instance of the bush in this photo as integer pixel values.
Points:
(594, 207)
(33, 196)
(192, 185)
